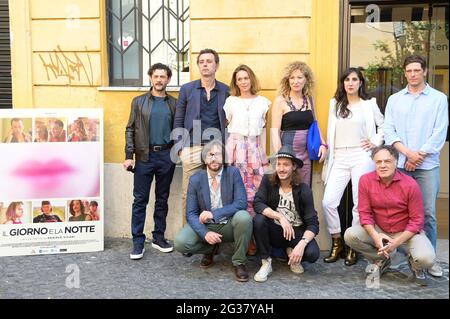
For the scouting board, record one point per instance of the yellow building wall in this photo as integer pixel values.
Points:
(59, 52)
(56, 52)
(267, 36)
(324, 43)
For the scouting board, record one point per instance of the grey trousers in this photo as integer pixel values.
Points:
(418, 247)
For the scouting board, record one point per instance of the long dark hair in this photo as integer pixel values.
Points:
(72, 212)
(341, 95)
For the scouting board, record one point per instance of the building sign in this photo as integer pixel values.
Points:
(51, 181)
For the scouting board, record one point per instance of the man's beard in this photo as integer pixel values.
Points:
(163, 88)
(213, 169)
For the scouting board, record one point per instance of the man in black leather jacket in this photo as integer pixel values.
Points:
(148, 138)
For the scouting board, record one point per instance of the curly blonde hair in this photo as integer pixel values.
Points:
(285, 88)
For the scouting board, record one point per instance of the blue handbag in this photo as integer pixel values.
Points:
(313, 141)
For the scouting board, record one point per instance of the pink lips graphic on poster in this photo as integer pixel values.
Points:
(44, 174)
(36, 169)
(53, 170)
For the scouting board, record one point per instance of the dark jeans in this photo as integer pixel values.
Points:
(268, 234)
(160, 166)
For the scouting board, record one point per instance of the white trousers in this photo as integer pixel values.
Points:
(349, 163)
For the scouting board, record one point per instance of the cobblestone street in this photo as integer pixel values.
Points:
(111, 274)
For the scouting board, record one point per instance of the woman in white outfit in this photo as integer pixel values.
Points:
(355, 126)
(246, 113)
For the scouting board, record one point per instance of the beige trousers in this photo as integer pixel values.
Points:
(191, 163)
(418, 247)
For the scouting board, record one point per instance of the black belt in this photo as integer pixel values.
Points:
(157, 148)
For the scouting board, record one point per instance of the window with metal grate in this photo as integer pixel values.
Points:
(144, 32)
(5, 57)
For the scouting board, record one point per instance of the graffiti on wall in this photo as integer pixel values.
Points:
(74, 66)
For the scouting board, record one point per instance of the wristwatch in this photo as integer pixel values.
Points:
(306, 240)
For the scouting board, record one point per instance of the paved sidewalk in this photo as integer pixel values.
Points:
(111, 274)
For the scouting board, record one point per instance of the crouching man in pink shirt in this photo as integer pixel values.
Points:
(391, 215)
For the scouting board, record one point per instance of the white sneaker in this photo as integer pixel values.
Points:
(435, 270)
(264, 271)
(162, 245)
(137, 253)
(295, 268)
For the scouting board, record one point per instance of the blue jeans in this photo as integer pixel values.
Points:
(160, 166)
(429, 181)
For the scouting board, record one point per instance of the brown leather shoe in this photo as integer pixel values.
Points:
(241, 273)
(208, 259)
(251, 251)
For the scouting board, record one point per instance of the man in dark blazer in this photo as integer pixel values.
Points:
(199, 115)
(216, 203)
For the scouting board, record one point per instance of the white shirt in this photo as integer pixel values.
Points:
(374, 126)
(246, 116)
(350, 130)
(286, 206)
(216, 197)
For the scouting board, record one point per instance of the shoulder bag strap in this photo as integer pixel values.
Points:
(312, 107)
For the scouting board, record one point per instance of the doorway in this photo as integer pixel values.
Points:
(377, 36)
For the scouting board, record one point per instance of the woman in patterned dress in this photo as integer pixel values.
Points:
(246, 116)
(293, 114)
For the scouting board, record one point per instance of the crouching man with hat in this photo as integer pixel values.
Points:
(285, 216)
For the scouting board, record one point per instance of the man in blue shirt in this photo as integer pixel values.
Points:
(416, 121)
(148, 138)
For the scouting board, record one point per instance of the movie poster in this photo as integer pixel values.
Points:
(51, 181)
